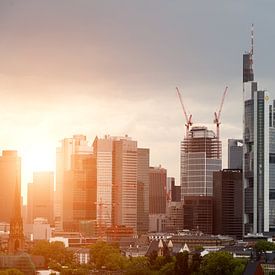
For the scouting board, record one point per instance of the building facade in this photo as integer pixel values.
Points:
(235, 154)
(40, 197)
(143, 190)
(10, 175)
(200, 157)
(228, 203)
(157, 190)
(75, 183)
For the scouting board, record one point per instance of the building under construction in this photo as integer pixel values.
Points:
(200, 156)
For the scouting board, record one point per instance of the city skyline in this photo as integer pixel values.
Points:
(99, 74)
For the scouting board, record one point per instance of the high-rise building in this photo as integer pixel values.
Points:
(103, 151)
(228, 203)
(198, 213)
(40, 197)
(124, 191)
(174, 216)
(258, 152)
(173, 190)
(143, 191)
(200, 157)
(157, 190)
(16, 241)
(235, 154)
(75, 183)
(10, 176)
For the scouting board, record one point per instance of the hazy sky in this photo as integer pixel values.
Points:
(111, 67)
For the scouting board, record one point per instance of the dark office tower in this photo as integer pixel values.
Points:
(199, 159)
(198, 213)
(235, 154)
(40, 197)
(10, 175)
(228, 203)
(16, 238)
(173, 190)
(143, 191)
(157, 190)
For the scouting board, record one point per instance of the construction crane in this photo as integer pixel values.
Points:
(217, 115)
(188, 119)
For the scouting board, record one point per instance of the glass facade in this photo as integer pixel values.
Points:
(199, 159)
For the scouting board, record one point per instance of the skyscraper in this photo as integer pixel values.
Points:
(124, 182)
(235, 154)
(199, 159)
(258, 174)
(143, 190)
(40, 197)
(157, 190)
(16, 238)
(75, 183)
(228, 203)
(103, 151)
(10, 176)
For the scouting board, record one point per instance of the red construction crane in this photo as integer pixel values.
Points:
(188, 119)
(217, 116)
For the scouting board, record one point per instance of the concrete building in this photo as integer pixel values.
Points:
(228, 203)
(157, 190)
(124, 182)
(10, 174)
(200, 157)
(40, 197)
(235, 154)
(143, 190)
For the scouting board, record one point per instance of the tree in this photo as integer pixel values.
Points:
(139, 266)
(263, 246)
(195, 264)
(107, 256)
(168, 269)
(55, 253)
(181, 265)
(216, 263)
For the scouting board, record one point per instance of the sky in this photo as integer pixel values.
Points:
(111, 67)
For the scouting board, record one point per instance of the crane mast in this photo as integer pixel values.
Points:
(217, 118)
(188, 119)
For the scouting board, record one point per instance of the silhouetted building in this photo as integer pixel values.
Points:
(40, 197)
(10, 176)
(157, 190)
(198, 213)
(143, 191)
(16, 238)
(235, 154)
(228, 203)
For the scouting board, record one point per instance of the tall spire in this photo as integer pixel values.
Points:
(248, 74)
